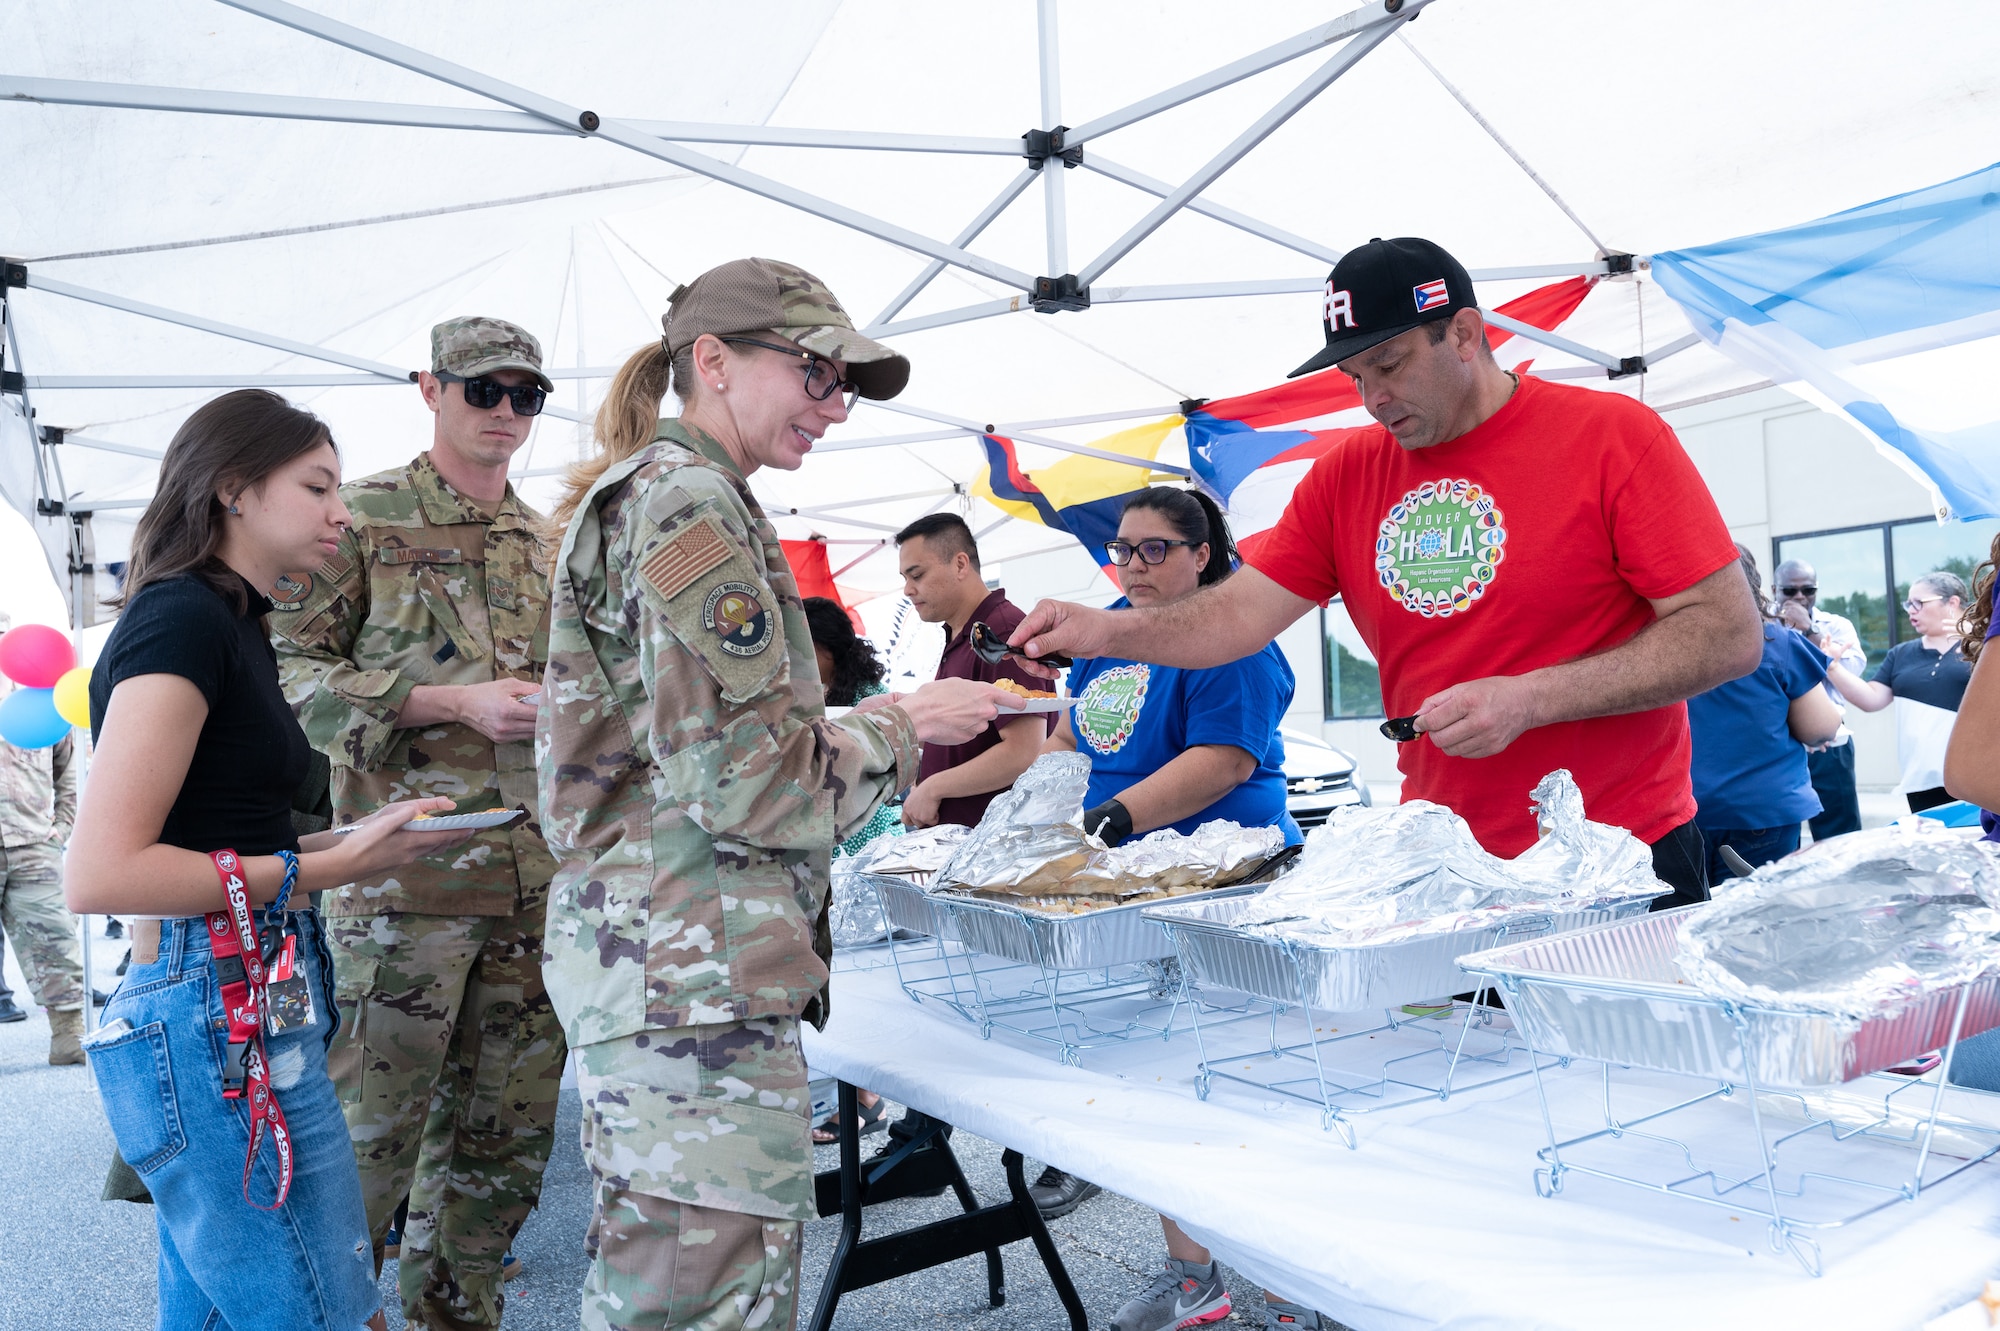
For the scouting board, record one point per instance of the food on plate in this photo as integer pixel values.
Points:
(1020, 690)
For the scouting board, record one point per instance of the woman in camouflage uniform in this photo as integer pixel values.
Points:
(693, 789)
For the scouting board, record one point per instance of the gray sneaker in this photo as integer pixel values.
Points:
(1177, 1298)
(1290, 1317)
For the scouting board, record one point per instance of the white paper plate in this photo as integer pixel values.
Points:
(1045, 705)
(455, 822)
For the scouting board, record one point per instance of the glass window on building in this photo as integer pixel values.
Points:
(1850, 568)
(1353, 684)
(1918, 548)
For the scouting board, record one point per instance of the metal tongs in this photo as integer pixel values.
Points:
(989, 646)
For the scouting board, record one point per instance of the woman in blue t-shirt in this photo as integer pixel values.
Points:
(1176, 748)
(1171, 747)
(1752, 787)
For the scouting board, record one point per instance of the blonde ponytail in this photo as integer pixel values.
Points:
(626, 423)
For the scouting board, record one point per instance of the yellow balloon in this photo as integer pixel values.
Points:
(73, 696)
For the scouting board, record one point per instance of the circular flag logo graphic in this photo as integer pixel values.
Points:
(1440, 547)
(1109, 708)
(735, 613)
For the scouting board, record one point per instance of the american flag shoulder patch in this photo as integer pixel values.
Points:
(680, 561)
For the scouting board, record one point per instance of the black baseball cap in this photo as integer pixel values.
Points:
(1384, 288)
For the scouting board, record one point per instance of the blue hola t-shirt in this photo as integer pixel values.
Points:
(1748, 770)
(1134, 718)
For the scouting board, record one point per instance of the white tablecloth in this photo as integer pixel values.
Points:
(1433, 1221)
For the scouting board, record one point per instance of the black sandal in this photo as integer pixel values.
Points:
(874, 1118)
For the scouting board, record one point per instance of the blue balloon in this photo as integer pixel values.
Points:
(29, 719)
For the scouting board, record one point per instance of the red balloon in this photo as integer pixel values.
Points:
(35, 656)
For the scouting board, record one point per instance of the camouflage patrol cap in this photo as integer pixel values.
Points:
(752, 295)
(477, 345)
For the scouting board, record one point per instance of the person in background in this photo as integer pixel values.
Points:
(694, 789)
(407, 655)
(850, 671)
(1926, 678)
(1972, 773)
(187, 812)
(1174, 748)
(37, 807)
(1832, 763)
(1752, 786)
(941, 577)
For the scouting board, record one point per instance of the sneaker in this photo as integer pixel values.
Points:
(510, 1266)
(1178, 1297)
(113, 928)
(1056, 1194)
(1290, 1317)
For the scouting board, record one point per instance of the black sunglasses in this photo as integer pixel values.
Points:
(1799, 591)
(483, 393)
(822, 379)
(1149, 552)
(989, 646)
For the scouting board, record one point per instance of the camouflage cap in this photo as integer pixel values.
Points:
(477, 345)
(752, 295)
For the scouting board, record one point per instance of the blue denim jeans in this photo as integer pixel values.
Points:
(306, 1266)
(1757, 845)
(1977, 1062)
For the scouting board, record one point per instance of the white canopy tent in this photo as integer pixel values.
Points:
(212, 193)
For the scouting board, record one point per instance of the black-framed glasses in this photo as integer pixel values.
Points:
(1809, 589)
(822, 378)
(1149, 552)
(483, 393)
(1916, 603)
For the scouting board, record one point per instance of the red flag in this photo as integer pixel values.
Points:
(815, 576)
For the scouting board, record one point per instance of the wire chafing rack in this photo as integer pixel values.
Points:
(1407, 1058)
(1077, 982)
(1801, 1124)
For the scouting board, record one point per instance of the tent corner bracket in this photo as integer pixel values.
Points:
(1052, 294)
(1627, 367)
(1038, 145)
(14, 273)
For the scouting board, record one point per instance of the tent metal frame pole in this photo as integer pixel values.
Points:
(999, 204)
(1313, 39)
(1055, 206)
(406, 115)
(624, 135)
(106, 446)
(1556, 340)
(1139, 180)
(1060, 445)
(1265, 125)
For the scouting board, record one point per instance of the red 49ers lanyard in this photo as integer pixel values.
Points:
(239, 966)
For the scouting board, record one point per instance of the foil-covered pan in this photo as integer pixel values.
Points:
(1336, 978)
(909, 908)
(1616, 994)
(1088, 940)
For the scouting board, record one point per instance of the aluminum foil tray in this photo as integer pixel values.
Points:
(909, 908)
(1112, 936)
(1614, 994)
(1340, 979)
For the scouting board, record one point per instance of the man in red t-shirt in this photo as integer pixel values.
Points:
(1539, 570)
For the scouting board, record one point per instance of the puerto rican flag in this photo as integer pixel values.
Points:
(1430, 295)
(1252, 451)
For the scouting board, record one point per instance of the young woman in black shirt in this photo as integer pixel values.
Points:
(211, 1061)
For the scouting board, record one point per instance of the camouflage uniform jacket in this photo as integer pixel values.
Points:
(37, 794)
(426, 589)
(692, 785)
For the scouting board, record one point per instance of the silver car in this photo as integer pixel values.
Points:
(1318, 779)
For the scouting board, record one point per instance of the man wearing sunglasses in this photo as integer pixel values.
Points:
(408, 657)
(1832, 764)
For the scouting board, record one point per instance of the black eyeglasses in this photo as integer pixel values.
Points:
(483, 393)
(1149, 552)
(822, 379)
(1809, 590)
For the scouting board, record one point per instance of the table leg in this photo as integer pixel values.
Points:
(1038, 1234)
(849, 1132)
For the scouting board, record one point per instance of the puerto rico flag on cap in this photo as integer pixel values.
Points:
(1430, 295)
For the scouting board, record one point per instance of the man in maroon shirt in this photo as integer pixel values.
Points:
(955, 783)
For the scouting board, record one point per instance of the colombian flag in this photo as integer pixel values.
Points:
(1083, 496)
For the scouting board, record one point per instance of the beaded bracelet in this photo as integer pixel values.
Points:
(277, 906)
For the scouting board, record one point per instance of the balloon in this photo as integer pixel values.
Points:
(73, 696)
(35, 656)
(29, 720)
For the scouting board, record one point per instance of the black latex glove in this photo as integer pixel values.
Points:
(1109, 822)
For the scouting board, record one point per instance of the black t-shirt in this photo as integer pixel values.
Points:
(251, 754)
(1914, 671)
